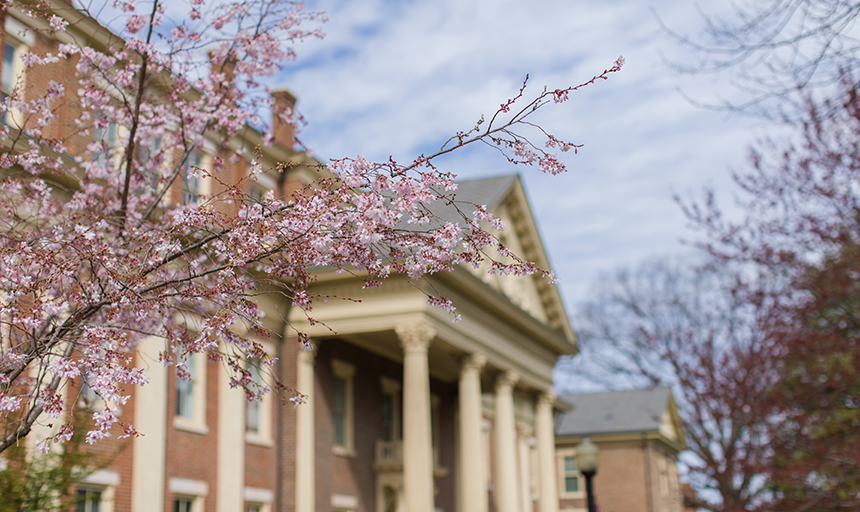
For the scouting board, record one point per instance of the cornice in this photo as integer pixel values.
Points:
(618, 437)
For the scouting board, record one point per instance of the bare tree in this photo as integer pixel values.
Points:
(778, 53)
(682, 326)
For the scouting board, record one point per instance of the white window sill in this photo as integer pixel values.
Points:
(188, 425)
(342, 451)
(257, 439)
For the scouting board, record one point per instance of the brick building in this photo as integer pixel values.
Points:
(639, 436)
(407, 410)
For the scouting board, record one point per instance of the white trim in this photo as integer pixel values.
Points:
(103, 477)
(196, 423)
(257, 495)
(188, 487)
(19, 31)
(342, 501)
(346, 371)
(562, 489)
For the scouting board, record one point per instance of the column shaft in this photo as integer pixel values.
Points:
(548, 499)
(472, 456)
(417, 441)
(305, 439)
(506, 439)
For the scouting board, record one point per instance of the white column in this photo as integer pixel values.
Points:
(506, 443)
(524, 452)
(150, 417)
(544, 427)
(472, 480)
(417, 442)
(230, 446)
(305, 440)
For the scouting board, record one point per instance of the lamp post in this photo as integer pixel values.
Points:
(586, 461)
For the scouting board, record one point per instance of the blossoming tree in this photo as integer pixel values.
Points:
(99, 246)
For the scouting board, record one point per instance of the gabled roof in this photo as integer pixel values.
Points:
(610, 412)
(505, 196)
(483, 191)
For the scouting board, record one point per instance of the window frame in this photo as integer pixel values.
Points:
(263, 435)
(563, 474)
(194, 419)
(391, 389)
(193, 492)
(258, 498)
(84, 501)
(346, 372)
(20, 38)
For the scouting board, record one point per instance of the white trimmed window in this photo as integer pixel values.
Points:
(258, 500)
(89, 500)
(108, 135)
(343, 407)
(258, 413)
(570, 483)
(192, 179)
(190, 396)
(344, 503)
(185, 504)
(88, 396)
(96, 492)
(390, 409)
(188, 495)
(17, 40)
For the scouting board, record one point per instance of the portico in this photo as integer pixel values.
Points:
(422, 391)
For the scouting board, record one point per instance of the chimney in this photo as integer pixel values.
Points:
(283, 130)
(227, 66)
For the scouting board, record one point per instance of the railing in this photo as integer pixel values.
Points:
(389, 456)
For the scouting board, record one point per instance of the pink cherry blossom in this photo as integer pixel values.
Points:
(100, 249)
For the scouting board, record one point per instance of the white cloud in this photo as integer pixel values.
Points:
(398, 78)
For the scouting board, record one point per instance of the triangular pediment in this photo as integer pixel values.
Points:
(505, 198)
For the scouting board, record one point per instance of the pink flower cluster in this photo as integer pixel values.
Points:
(96, 251)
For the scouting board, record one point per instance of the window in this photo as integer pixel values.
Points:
(12, 71)
(8, 74)
(185, 391)
(183, 505)
(570, 479)
(188, 495)
(571, 475)
(343, 407)
(390, 409)
(107, 134)
(89, 398)
(190, 395)
(96, 492)
(191, 177)
(89, 500)
(258, 499)
(253, 411)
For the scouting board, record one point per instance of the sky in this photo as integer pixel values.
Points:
(397, 78)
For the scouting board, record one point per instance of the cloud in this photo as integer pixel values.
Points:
(399, 78)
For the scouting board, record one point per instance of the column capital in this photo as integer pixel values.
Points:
(415, 337)
(505, 381)
(546, 398)
(472, 363)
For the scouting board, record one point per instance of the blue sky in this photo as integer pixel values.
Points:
(399, 77)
